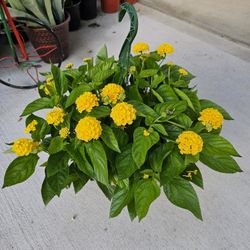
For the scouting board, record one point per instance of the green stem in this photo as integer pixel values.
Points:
(176, 124)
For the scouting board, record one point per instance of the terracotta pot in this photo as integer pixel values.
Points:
(131, 1)
(110, 6)
(42, 37)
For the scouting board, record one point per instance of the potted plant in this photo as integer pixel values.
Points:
(133, 125)
(51, 13)
(110, 6)
(88, 9)
(73, 8)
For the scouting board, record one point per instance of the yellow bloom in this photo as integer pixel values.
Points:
(123, 114)
(190, 174)
(183, 72)
(165, 49)
(88, 128)
(211, 118)
(55, 116)
(170, 63)
(24, 146)
(87, 101)
(145, 176)
(132, 69)
(31, 127)
(87, 59)
(140, 47)
(69, 66)
(189, 143)
(146, 133)
(64, 132)
(112, 93)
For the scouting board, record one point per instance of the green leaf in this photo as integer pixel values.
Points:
(208, 104)
(109, 138)
(148, 72)
(158, 97)
(141, 145)
(108, 191)
(157, 80)
(194, 99)
(167, 93)
(173, 166)
(171, 109)
(184, 120)
(181, 193)
(100, 112)
(134, 94)
(220, 163)
(56, 162)
(184, 97)
(146, 191)
(119, 201)
(101, 76)
(102, 54)
(125, 164)
(143, 109)
(38, 104)
(215, 144)
(121, 137)
(20, 170)
(59, 79)
(157, 156)
(47, 193)
(160, 128)
(191, 159)
(79, 178)
(98, 159)
(131, 210)
(76, 92)
(56, 145)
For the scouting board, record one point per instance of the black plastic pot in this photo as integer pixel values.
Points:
(75, 19)
(88, 9)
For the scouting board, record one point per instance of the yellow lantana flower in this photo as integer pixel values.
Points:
(112, 93)
(211, 118)
(146, 133)
(145, 176)
(189, 143)
(183, 72)
(31, 127)
(87, 59)
(64, 132)
(165, 49)
(69, 66)
(140, 47)
(24, 146)
(123, 114)
(88, 128)
(86, 102)
(55, 116)
(49, 87)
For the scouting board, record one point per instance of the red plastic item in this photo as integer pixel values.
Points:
(110, 6)
(131, 1)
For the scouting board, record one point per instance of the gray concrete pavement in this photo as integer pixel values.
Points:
(26, 224)
(228, 18)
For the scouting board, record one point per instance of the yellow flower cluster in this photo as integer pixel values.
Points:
(165, 49)
(112, 93)
(69, 66)
(211, 118)
(123, 114)
(189, 143)
(49, 87)
(31, 127)
(140, 47)
(86, 102)
(146, 133)
(55, 116)
(88, 128)
(183, 72)
(64, 132)
(87, 59)
(24, 146)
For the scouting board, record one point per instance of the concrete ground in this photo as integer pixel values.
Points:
(228, 18)
(26, 224)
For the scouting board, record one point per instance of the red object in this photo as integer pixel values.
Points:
(13, 27)
(131, 1)
(110, 6)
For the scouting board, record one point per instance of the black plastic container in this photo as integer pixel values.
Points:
(88, 9)
(75, 18)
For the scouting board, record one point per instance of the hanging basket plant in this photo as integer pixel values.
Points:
(133, 125)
